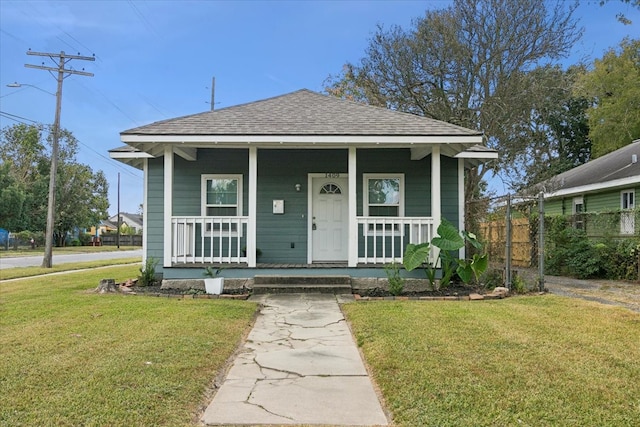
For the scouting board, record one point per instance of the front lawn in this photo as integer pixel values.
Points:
(16, 272)
(70, 357)
(530, 361)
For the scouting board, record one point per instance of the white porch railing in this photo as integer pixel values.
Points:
(384, 239)
(199, 239)
(204, 239)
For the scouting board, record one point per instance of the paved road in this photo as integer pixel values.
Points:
(35, 261)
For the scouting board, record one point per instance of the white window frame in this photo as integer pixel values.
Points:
(365, 197)
(624, 198)
(577, 201)
(627, 214)
(203, 201)
(577, 222)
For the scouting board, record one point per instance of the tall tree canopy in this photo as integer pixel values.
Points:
(614, 86)
(554, 138)
(465, 65)
(81, 194)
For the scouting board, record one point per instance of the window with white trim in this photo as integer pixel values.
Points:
(627, 214)
(578, 210)
(627, 199)
(221, 197)
(383, 197)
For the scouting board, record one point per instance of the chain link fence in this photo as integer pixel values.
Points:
(584, 245)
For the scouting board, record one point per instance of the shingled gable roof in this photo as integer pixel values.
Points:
(618, 168)
(302, 113)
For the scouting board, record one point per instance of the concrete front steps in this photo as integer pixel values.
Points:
(301, 284)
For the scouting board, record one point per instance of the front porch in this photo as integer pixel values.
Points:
(201, 240)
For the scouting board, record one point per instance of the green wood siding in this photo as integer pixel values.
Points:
(603, 201)
(553, 207)
(599, 202)
(155, 210)
(187, 178)
(278, 172)
(449, 189)
(417, 177)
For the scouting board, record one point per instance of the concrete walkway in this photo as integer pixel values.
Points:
(298, 366)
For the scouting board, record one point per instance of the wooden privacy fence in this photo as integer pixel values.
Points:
(494, 235)
(125, 240)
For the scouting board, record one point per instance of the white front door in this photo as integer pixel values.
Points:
(330, 219)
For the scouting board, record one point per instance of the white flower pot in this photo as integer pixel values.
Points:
(214, 285)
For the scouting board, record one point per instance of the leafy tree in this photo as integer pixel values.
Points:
(614, 86)
(621, 16)
(555, 138)
(464, 65)
(81, 199)
(21, 150)
(81, 194)
(12, 199)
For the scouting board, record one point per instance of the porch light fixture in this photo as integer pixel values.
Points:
(298, 187)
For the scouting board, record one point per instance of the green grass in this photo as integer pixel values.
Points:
(13, 273)
(72, 357)
(530, 361)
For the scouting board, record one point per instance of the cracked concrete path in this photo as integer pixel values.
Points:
(299, 365)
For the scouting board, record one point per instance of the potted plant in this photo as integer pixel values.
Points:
(213, 282)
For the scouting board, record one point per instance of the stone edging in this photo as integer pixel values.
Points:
(498, 293)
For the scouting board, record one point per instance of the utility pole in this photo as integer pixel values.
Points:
(62, 60)
(213, 92)
(119, 217)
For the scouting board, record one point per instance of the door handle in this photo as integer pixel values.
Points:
(313, 226)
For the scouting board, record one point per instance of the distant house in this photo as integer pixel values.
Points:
(105, 226)
(132, 221)
(606, 186)
(310, 184)
(128, 220)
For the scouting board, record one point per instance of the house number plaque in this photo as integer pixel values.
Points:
(332, 175)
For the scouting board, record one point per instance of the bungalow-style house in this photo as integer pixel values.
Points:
(297, 184)
(606, 186)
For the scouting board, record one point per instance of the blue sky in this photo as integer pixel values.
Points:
(155, 59)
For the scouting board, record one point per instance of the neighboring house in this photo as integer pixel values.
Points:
(607, 186)
(310, 183)
(131, 221)
(105, 226)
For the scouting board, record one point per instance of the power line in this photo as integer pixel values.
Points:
(142, 18)
(111, 161)
(11, 116)
(113, 104)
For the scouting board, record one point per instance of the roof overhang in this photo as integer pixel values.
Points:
(589, 188)
(206, 141)
(186, 146)
(134, 158)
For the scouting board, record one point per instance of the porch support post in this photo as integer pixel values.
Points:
(353, 224)
(253, 210)
(168, 204)
(461, 203)
(436, 196)
(145, 214)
